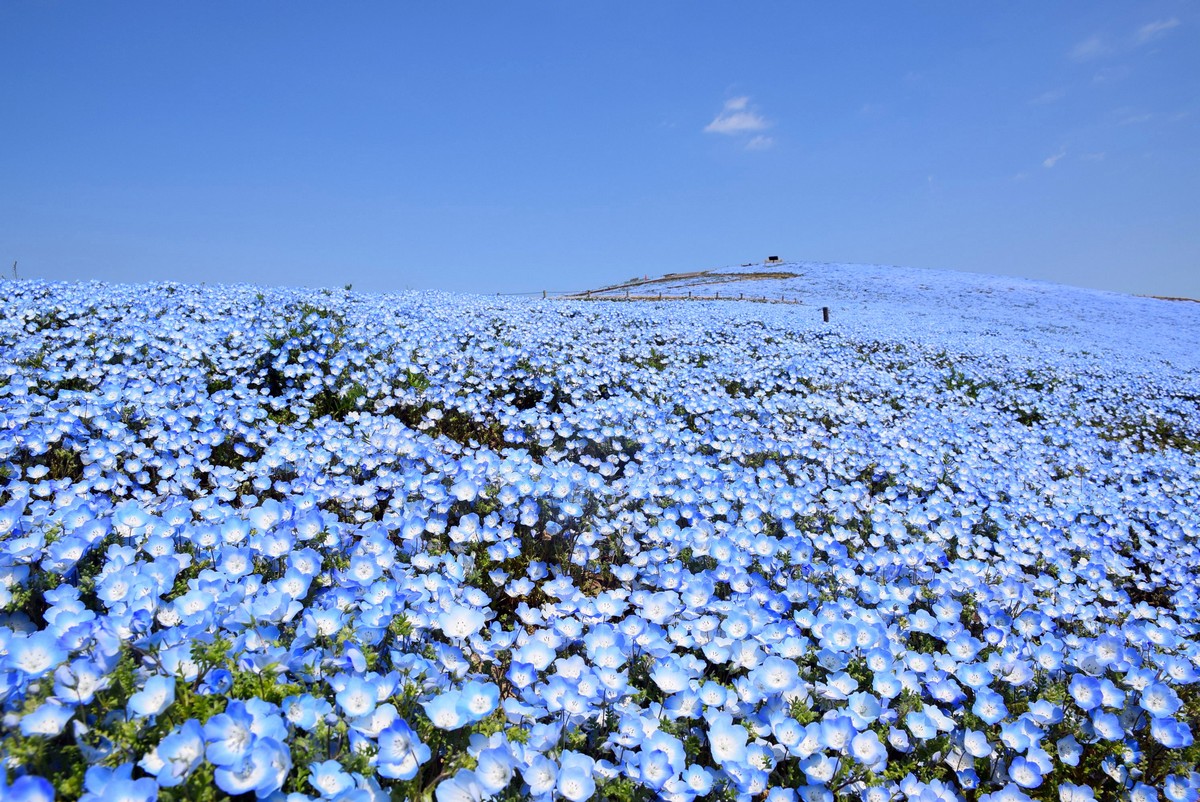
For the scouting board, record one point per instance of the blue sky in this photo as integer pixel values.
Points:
(520, 146)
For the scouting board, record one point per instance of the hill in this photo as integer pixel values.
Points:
(423, 545)
(968, 309)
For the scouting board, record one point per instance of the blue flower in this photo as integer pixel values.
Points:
(1085, 691)
(726, 740)
(181, 751)
(35, 655)
(575, 781)
(446, 711)
(1159, 700)
(401, 753)
(27, 789)
(263, 770)
(989, 706)
(1025, 773)
(156, 696)
(358, 697)
(47, 720)
(494, 770)
(462, 787)
(479, 699)
(541, 775)
(229, 736)
(867, 749)
(329, 779)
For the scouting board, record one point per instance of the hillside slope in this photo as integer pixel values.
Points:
(424, 545)
(972, 310)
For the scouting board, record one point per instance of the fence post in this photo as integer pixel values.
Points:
(741, 295)
(543, 295)
(825, 313)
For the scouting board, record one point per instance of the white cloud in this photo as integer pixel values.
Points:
(1050, 161)
(1090, 48)
(1134, 118)
(1153, 30)
(760, 142)
(1110, 74)
(1049, 97)
(736, 118)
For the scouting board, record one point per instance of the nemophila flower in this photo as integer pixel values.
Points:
(29, 788)
(1143, 793)
(181, 751)
(358, 697)
(837, 732)
(920, 725)
(661, 759)
(974, 675)
(124, 790)
(229, 736)
(47, 720)
(868, 750)
(541, 775)
(1177, 788)
(1107, 725)
(329, 779)
(494, 770)
(1024, 773)
(976, 743)
(78, 682)
(1171, 733)
(462, 787)
(1085, 691)
(887, 685)
(989, 706)
(34, 655)
(819, 767)
(446, 711)
(726, 739)
(156, 696)
(1069, 792)
(575, 780)
(1159, 700)
(263, 770)
(401, 753)
(479, 698)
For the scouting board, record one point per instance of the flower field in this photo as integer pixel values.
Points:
(309, 544)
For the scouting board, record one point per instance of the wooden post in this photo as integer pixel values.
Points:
(543, 295)
(718, 296)
(660, 295)
(689, 295)
(825, 313)
(741, 295)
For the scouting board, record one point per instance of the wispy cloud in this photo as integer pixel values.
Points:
(1134, 117)
(1110, 74)
(1152, 30)
(1091, 48)
(737, 118)
(1050, 161)
(1051, 96)
(760, 142)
